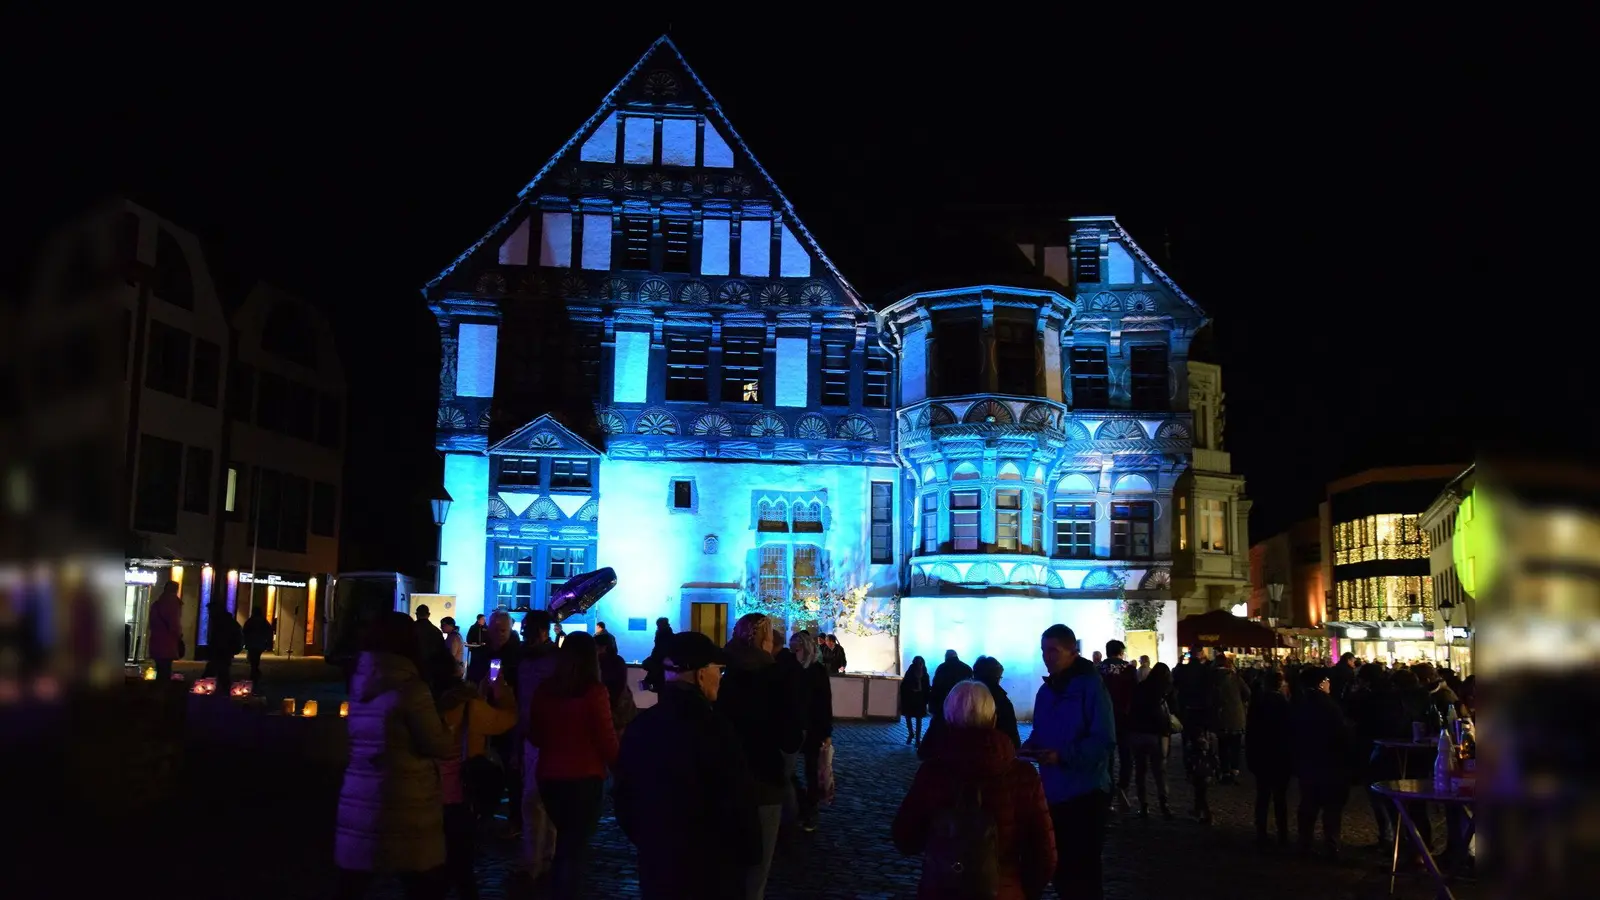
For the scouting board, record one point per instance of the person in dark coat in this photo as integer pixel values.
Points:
(224, 643)
(652, 663)
(684, 795)
(257, 634)
(1150, 734)
(914, 692)
(818, 726)
(1322, 748)
(754, 699)
(989, 671)
(1268, 740)
(950, 673)
(1232, 695)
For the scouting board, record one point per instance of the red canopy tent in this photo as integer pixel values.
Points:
(1220, 628)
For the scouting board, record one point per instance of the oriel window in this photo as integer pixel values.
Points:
(1016, 349)
(964, 508)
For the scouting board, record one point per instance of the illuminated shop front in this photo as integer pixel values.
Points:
(291, 602)
(1392, 643)
(143, 580)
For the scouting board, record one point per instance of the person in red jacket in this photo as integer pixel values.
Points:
(569, 721)
(1009, 790)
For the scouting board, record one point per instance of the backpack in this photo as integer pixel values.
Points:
(962, 859)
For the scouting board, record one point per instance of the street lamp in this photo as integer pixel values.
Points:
(441, 510)
(1274, 598)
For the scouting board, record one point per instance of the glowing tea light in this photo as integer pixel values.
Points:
(344, 709)
(310, 710)
(288, 706)
(149, 674)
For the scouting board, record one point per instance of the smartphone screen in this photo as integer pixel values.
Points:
(494, 669)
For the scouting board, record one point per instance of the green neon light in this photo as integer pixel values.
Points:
(1474, 548)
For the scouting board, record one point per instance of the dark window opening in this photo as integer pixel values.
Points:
(241, 392)
(1091, 378)
(283, 507)
(570, 474)
(272, 402)
(1017, 352)
(302, 411)
(324, 510)
(686, 367)
(197, 480)
(959, 350)
(1086, 267)
(1147, 376)
(636, 242)
(675, 245)
(330, 420)
(882, 522)
(1132, 525)
(741, 367)
(174, 283)
(586, 350)
(519, 471)
(1075, 530)
(207, 372)
(167, 367)
(127, 240)
(835, 375)
(876, 386)
(160, 475)
(682, 494)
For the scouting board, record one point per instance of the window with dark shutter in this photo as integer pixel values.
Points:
(1016, 350)
(741, 367)
(876, 381)
(166, 366)
(1147, 376)
(882, 522)
(1086, 263)
(686, 367)
(160, 472)
(1091, 378)
(675, 245)
(835, 374)
(636, 242)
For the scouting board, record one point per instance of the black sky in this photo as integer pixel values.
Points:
(1379, 215)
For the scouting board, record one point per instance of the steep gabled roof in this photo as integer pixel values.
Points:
(523, 439)
(610, 105)
(1138, 251)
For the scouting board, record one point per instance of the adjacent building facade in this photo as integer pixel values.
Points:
(1375, 560)
(232, 428)
(650, 364)
(1439, 521)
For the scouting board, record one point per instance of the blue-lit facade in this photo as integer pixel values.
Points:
(650, 364)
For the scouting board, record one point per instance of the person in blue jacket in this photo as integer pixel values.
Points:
(1071, 741)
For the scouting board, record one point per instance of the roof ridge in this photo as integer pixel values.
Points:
(1151, 264)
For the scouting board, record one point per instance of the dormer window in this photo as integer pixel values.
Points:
(570, 475)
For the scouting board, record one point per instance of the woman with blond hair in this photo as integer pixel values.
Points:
(753, 699)
(970, 762)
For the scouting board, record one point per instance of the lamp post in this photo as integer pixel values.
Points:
(1447, 609)
(441, 510)
(1274, 598)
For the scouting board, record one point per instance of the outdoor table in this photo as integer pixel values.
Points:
(1412, 790)
(1404, 746)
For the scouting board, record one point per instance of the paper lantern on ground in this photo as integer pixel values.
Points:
(149, 674)
(344, 709)
(288, 706)
(310, 710)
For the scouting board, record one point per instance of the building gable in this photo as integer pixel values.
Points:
(657, 168)
(1111, 276)
(543, 436)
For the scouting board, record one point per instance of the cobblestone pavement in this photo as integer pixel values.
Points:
(850, 856)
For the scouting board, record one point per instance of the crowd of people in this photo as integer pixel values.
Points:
(736, 755)
(446, 731)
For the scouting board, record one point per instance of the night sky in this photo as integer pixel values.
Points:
(1373, 213)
